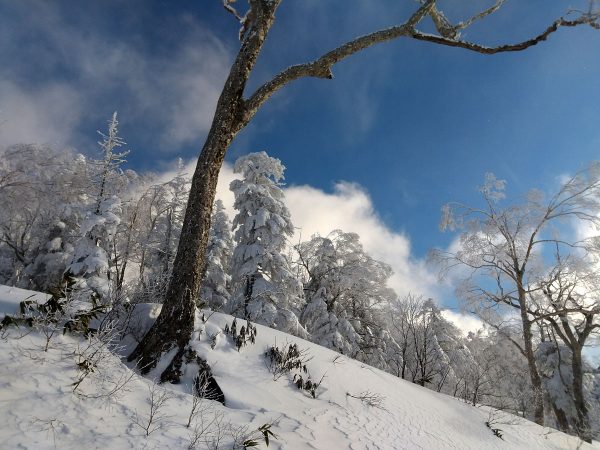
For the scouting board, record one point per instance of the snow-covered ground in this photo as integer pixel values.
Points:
(11, 297)
(38, 409)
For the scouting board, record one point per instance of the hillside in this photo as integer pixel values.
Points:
(40, 411)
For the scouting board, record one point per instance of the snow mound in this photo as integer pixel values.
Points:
(40, 411)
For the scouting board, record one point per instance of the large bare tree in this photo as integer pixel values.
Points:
(235, 110)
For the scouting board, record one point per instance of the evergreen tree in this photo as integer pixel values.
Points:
(345, 290)
(265, 289)
(91, 266)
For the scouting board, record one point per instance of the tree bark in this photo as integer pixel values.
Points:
(175, 323)
(582, 422)
(534, 376)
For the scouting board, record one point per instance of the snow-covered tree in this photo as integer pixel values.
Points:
(566, 309)
(216, 284)
(428, 349)
(160, 211)
(92, 266)
(499, 377)
(109, 167)
(41, 202)
(345, 290)
(503, 249)
(265, 288)
(453, 356)
(168, 230)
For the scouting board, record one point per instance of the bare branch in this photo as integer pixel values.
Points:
(231, 9)
(321, 67)
(481, 15)
(587, 19)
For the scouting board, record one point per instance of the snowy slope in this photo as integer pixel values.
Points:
(38, 409)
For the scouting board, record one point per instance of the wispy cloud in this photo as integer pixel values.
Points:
(49, 115)
(89, 74)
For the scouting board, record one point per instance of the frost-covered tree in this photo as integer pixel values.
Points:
(159, 215)
(435, 346)
(503, 248)
(216, 284)
(46, 271)
(150, 209)
(92, 266)
(109, 167)
(236, 108)
(428, 349)
(345, 290)
(42, 195)
(499, 377)
(566, 306)
(265, 288)
(167, 231)
(448, 344)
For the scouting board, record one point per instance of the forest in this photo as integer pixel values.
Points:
(119, 272)
(107, 236)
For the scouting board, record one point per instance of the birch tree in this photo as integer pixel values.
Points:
(236, 108)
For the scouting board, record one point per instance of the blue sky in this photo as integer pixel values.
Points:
(411, 124)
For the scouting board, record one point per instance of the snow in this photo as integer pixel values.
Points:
(11, 297)
(38, 409)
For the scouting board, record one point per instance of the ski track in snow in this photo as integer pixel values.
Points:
(38, 410)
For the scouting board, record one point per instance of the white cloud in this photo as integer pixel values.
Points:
(44, 116)
(350, 209)
(172, 92)
(465, 322)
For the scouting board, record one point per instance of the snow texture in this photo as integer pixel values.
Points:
(39, 411)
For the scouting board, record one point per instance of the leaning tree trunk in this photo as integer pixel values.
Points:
(174, 326)
(178, 308)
